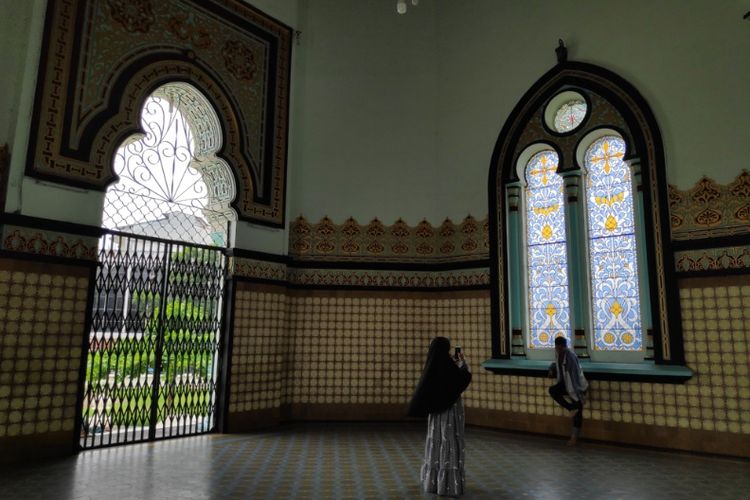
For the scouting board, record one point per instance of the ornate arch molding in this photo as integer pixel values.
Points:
(107, 136)
(102, 58)
(614, 104)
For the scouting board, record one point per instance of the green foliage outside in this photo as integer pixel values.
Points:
(188, 350)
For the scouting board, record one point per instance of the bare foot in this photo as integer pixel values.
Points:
(572, 441)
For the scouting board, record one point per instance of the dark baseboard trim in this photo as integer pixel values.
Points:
(33, 447)
(651, 436)
(251, 420)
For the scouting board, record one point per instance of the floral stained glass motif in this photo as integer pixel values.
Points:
(612, 247)
(570, 115)
(548, 300)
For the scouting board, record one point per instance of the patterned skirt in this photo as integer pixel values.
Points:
(443, 468)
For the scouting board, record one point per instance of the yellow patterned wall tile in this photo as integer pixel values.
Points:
(259, 350)
(42, 323)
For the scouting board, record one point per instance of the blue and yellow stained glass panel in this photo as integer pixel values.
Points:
(548, 304)
(612, 248)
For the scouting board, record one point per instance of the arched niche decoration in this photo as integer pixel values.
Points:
(101, 59)
(614, 104)
(166, 74)
(171, 167)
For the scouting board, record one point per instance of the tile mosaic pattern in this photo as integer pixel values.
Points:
(709, 209)
(371, 461)
(259, 351)
(399, 242)
(42, 319)
(717, 335)
(368, 348)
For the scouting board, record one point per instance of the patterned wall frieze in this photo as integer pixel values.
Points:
(49, 243)
(315, 277)
(399, 242)
(713, 259)
(390, 278)
(710, 210)
(102, 58)
(257, 269)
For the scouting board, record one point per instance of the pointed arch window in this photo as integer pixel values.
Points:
(579, 229)
(613, 262)
(548, 303)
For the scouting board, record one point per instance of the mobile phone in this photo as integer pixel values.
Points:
(457, 351)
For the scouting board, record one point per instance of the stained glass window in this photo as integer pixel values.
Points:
(548, 303)
(570, 115)
(612, 248)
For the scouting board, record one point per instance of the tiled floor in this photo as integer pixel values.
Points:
(371, 461)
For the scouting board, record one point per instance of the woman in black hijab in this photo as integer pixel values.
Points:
(438, 396)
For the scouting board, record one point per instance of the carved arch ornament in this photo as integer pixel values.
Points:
(101, 59)
(617, 105)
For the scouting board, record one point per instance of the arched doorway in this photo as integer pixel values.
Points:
(153, 358)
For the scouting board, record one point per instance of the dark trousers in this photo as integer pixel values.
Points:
(558, 393)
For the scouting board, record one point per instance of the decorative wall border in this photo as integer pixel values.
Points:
(710, 210)
(257, 269)
(399, 242)
(713, 259)
(707, 210)
(88, 100)
(48, 243)
(641, 132)
(391, 279)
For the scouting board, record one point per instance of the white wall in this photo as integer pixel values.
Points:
(689, 59)
(286, 11)
(460, 68)
(396, 116)
(365, 136)
(21, 27)
(13, 42)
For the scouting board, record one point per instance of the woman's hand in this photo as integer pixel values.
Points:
(459, 360)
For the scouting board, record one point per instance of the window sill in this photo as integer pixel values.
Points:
(635, 372)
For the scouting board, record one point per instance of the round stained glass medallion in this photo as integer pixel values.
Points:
(570, 115)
